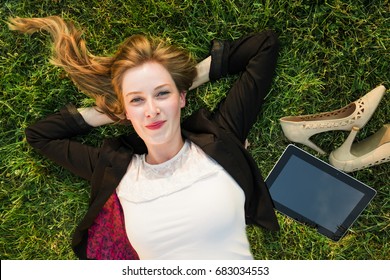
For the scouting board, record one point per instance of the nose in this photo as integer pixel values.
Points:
(151, 110)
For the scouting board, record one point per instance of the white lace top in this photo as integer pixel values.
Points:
(186, 208)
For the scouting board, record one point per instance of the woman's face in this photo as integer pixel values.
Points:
(153, 103)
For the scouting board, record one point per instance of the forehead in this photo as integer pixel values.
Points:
(146, 77)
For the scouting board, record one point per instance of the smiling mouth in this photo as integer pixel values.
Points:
(155, 125)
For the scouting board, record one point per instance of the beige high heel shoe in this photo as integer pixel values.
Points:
(371, 151)
(300, 128)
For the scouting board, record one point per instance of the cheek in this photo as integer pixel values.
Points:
(128, 114)
(131, 114)
(174, 108)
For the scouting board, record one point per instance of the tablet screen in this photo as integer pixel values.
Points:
(311, 191)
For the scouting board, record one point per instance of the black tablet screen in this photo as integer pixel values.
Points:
(314, 194)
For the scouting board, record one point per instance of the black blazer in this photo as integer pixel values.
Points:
(104, 167)
(219, 135)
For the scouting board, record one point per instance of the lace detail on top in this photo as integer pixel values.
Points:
(145, 182)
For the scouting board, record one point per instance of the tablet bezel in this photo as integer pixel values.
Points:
(368, 192)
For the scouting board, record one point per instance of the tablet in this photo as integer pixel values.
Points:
(315, 193)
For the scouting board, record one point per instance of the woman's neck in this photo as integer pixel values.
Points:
(161, 153)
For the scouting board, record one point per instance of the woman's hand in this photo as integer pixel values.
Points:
(203, 70)
(93, 117)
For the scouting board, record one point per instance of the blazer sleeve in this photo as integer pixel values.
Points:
(254, 57)
(51, 137)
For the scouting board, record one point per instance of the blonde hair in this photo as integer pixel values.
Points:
(101, 77)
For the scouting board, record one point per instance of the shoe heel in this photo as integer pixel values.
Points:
(345, 148)
(297, 135)
(344, 151)
(310, 144)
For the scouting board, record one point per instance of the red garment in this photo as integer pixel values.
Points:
(107, 239)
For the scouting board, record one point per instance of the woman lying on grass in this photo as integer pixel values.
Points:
(172, 190)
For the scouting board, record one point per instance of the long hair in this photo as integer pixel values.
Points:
(101, 77)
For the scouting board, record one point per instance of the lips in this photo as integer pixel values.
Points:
(155, 125)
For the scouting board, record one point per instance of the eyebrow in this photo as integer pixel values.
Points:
(138, 92)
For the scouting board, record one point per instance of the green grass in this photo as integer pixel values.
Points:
(332, 52)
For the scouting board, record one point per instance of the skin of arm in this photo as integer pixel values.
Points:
(203, 69)
(95, 118)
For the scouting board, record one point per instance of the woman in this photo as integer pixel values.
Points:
(172, 190)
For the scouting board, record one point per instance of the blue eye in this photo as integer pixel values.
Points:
(136, 100)
(162, 93)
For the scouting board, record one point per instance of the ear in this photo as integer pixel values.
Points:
(183, 95)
